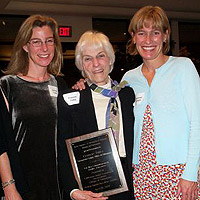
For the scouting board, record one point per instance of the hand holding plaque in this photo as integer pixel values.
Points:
(96, 163)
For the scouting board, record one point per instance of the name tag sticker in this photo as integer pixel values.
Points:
(72, 98)
(139, 98)
(53, 91)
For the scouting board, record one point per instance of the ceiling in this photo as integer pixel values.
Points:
(176, 9)
(181, 10)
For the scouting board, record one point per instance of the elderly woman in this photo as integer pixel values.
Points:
(167, 117)
(95, 58)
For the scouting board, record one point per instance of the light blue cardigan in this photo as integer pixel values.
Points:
(174, 97)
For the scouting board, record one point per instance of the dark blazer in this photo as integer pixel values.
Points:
(79, 119)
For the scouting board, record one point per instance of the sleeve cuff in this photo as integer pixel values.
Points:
(190, 172)
(72, 192)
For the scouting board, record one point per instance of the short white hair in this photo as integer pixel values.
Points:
(95, 40)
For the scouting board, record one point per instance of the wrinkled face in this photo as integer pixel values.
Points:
(40, 47)
(96, 65)
(149, 42)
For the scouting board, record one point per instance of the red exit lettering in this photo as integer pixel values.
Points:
(65, 31)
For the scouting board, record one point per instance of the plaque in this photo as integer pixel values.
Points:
(96, 163)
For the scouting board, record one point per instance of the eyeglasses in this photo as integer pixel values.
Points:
(39, 43)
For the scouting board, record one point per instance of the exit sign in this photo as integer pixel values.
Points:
(65, 31)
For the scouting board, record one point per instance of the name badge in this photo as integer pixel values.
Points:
(53, 90)
(72, 98)
(139, 99)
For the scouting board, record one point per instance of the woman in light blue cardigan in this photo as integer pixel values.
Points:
(167, 112)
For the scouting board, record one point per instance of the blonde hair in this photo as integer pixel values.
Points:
(19, 61)
(144, 16)
(95, 40)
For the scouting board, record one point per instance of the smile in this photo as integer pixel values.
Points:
(44, 56)
(148, 48)
(98, 71)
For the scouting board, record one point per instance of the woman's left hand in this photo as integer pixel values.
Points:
(188, 189)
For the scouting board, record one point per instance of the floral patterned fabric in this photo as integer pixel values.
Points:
(152, 181)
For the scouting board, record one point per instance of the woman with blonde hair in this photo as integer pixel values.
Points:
(167, 116)
(31, 88)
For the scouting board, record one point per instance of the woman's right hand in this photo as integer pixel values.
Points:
(83, 195)
(11, 193)
(80, 85)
